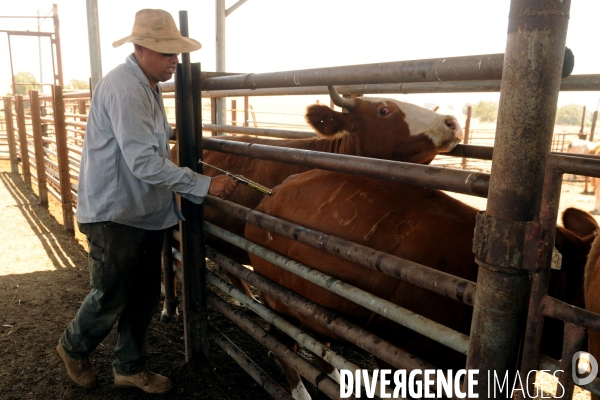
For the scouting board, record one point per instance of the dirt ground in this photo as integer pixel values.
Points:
(44, 278)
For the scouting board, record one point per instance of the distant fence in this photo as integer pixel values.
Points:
(48, 150)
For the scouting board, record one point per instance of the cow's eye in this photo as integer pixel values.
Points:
(384, 111)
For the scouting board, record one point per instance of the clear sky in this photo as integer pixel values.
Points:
(279, 35)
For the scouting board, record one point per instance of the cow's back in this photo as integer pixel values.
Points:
(267, 173)
(421, 225)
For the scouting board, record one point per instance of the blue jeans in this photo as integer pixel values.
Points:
(125, 275)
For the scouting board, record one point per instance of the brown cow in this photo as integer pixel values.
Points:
(372, 127)
(421, 225)
(592, 300)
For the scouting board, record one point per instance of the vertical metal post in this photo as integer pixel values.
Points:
(20, 109)
(40, 51)
(533, 65)
(467, 135)
(12, 71)
(194, 311)
(58, 106)
(542, 238)
(10, 135)
(94, 41)
(221, 58)
(201, 289)
(38, 145)
(575, 340)
(58, 75)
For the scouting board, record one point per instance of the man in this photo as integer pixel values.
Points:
(126, 201)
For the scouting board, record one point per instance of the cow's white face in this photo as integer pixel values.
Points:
(443, 130)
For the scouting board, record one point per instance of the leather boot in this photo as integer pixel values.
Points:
(148, 381)
(82, 372)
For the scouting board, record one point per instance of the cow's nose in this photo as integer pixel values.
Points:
(453, 124)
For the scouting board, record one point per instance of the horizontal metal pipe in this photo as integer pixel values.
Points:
(471, 151)
(553, 308)
(466, 182)
(313, 375)
(436, 281)
(480, 67)
(303, 338)
(572, 83)
(280, 133)
(587, 165)
(364, 339)
(577, 83)
(256, 372)
(415, 322)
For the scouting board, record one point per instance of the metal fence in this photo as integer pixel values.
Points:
(493, 344)
(49, 157)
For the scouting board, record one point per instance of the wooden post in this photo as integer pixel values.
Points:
(81, 108)
(23, 139)
(581, 134)
(246, 110)
(58, 106)
(10, 135)
(467, 134)
(213, 113)
(594, 118)
(233, 112)
(38, 145)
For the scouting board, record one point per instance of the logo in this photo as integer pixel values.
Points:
(582, 361)
(430, 383)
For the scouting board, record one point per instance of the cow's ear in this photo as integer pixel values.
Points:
(579, 222)
(324, 120)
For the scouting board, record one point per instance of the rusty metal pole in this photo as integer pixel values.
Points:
(12, 71)
(10, 135)
(58, 77)
(38, 145)
(575, 340)
(94, 42)
(188, 125)
(58, 105)
(20, 109)
(467, 138)
(529, 92)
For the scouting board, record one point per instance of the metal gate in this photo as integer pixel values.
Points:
(522, 190)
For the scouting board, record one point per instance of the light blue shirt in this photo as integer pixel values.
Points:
(126, 174)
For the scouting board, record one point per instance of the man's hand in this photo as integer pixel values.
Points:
(222, 186)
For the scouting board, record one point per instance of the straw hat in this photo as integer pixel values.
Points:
(156, 30)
